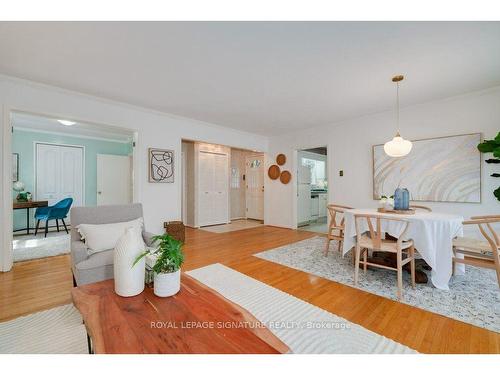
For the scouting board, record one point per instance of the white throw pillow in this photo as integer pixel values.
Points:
(102, 237)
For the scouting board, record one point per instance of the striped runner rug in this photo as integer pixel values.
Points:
(305, 328)
(56, 331)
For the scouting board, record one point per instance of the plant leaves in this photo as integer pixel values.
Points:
(142, 255)
(497, 193)
(488, 146)
(497, 138)
(169, 251)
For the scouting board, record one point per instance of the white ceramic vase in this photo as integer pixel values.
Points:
(129, 279)
(167, 284)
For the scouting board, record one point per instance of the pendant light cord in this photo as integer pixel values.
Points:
(397, 107)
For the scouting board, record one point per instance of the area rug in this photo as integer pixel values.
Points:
(233, 226)
(56, 331)
(30, 247)
(473, 298)
(305, 328)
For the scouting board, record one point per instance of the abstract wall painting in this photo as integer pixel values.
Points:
(445, 169)
(161, 165)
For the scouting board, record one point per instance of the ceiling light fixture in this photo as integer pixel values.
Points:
(398, 146)
(66, 122)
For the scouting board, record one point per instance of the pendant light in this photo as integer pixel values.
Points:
(398, 146)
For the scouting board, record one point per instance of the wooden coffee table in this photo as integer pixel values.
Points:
(196, 320)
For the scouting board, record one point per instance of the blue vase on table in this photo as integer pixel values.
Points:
(398, 199)
(401, 199)
(406, 199)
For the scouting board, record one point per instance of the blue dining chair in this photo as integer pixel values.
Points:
(57, 212)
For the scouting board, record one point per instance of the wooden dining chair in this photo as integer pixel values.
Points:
(476, 252)
(374, 240)
(419, 207)
(336, 227)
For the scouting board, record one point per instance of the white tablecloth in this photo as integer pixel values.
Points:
(431, 232)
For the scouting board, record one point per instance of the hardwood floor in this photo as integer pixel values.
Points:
(35, 285)
(40, 284)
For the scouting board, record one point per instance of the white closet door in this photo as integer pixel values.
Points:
(213, 205)
(59, 173)
(47, 173)
(221, 179)
(206, 183)
(72, 174)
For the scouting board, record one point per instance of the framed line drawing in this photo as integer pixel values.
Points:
(161, 165)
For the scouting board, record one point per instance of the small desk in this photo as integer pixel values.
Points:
(192, 321)
(21, 205)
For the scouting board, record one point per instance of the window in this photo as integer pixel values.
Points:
(255, 163)
(235, 178)
(318, 172)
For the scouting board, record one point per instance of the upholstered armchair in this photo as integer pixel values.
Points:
(98, 266)
(57, 212)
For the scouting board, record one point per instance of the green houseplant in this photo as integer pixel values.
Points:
(167, 268)
(492, 146)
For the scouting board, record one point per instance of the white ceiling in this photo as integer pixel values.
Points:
(262, 77)
(51, 125)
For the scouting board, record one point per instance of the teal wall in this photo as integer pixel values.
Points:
(23, 144)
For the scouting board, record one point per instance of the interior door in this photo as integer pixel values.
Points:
(59, 173)
(114, 179)
(254, 173)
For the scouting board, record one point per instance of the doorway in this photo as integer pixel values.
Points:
(312, 189)
(222, 187)
(58, 159)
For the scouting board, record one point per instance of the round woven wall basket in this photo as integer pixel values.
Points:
(285, 177)
(273, 172)
(281, 159)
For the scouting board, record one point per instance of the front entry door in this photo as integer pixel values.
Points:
(254, 187)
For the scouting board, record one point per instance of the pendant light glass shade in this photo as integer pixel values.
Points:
(398, 146)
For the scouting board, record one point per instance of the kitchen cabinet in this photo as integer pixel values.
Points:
(323, 202)
(314, 207)
(318, 205)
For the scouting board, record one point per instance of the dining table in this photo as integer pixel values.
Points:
(432, 234)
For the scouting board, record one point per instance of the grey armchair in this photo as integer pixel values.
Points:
(99, 266)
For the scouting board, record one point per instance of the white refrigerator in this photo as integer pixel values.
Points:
(303, 195)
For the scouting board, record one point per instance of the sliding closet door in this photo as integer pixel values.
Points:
(206, 182)
(221, 182)
(213, 205)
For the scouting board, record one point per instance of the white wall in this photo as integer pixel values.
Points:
(161, 202)
(349, 149)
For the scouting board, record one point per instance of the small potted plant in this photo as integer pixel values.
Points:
(386, 203)
(167, 268)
